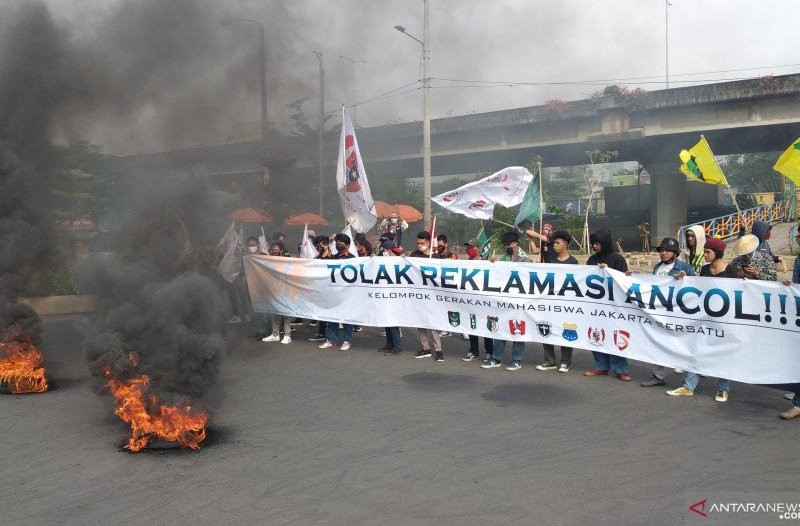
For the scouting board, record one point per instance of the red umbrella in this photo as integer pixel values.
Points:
(408, 212)
(383, 209)
(250, 215)
(302, 219)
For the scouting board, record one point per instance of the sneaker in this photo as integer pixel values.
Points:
(443, 334)
(423, 354)
(792, 412)
(680, 391)
(465, 336)
(490, 363)
(345, 346)
(391, 352)
(595, 372)
(513, 366)
(722, 396)
(469, 357)
(233, 320)
(326, 345)
(382, 333)
(678, 371)
(286, 340)
(439, 356)
(358, 328)
(546, 367)
(312, 324)
(297, 321)
(652, 382)
(563, 368)
(789, 396)
(271, 338)
(317, 338)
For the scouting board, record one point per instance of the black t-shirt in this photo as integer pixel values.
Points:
(569, 261)
(420, 254)
(547, 252)
(705, 271)
(340, 256)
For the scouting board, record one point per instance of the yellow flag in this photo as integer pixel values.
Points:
(789, 163)
(698, 164)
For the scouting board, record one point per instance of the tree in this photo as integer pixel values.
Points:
(593, 176)
(752, 173)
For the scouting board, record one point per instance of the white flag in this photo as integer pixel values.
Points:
(349, 233)
(229, 254)
(476, 200)
(351, 181)
(307, 248)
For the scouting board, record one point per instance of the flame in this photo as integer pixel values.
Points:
(21, 365)
(173, 423)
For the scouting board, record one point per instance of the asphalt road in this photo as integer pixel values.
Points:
(306, 436)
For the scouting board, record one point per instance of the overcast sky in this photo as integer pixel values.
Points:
(533, 41)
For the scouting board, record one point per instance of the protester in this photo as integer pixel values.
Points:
(796, 266)
(605, 256)
(394, 337)
(510, 241)
(546, 238)
(279, 322)
(443, 249)
(363, 246)
(751, 263)
(395, 225)
(669, 265)
(713, 252)
(560, 255)
(342, 242)
(424, 250)
(763, 231)
(488, 347)
(695, 238)
(280, 238)
(323, 246)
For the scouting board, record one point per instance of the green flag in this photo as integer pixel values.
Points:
(483, 244)
(529, 209)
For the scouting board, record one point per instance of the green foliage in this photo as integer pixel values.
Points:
(752, 173)
(43, 281)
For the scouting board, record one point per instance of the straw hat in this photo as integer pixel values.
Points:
(745, 245)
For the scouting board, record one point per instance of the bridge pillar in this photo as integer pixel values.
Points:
(669, 199)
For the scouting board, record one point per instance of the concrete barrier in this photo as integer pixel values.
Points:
(55, 305)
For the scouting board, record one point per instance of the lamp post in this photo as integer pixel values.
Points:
(426, 113)
(262, 62)
(321, 127)
(353, 63)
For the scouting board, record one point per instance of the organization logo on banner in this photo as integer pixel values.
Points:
(480, 204)
(454, 318)
(516, 327)
(451, 196)
(596, 336)
(544, 327)
(622, 339)
(473, 322)
(569, 332)
(491, 323)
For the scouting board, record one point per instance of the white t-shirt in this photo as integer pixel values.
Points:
(664, 270)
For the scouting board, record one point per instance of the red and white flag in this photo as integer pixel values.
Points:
(351, 181)
(477, 199)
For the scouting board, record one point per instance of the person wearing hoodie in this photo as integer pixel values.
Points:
(763, 231)
(695, 238)
(605, 256)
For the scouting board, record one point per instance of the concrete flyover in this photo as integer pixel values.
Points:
(650, 127)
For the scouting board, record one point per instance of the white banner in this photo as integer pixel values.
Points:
(742, 330)
(477, 199)
(351, 180)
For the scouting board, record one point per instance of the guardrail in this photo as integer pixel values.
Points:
(729, 226)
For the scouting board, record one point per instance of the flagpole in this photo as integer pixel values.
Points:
(541, 208)
(738, 210)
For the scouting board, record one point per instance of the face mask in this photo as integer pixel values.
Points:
(393, 220)
(341, 248)
(510, 251)
(252, 250)
(472, 252)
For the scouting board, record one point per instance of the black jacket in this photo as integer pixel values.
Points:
(607, 254)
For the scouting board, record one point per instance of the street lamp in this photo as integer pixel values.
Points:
(426, 113)
(262, 68)
(353, 63)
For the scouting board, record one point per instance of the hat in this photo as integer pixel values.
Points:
(473, 242)
(669, 243)
(391, 245)
(745, 245)
(717, 245)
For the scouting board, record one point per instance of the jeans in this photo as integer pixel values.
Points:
(393, 338)
(550, 354)
(332, 332)
(795, 388)
(277, 321)
(322, 328)
(517, 350)
(488, 345)
(604, 362)
(691, 379)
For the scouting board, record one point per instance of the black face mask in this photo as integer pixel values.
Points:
(510, 251)
(341, 248)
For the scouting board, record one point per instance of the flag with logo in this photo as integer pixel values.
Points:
(351, 181)
(530, 207)
(483, 243)
(698, 164)
(477, 199)
(307, 248)
(789, 163)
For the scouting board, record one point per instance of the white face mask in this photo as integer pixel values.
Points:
(252, 250)
(394, 220)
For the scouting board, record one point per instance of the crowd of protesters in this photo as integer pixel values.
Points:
(753, 259)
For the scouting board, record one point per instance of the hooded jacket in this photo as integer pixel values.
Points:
(697, 261)
(760, 229)
(607, 253)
